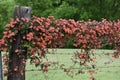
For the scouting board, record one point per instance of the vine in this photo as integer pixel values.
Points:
(39, 34)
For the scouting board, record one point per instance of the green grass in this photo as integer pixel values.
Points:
(109, 71)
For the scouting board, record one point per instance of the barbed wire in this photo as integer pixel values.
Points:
(75, 68)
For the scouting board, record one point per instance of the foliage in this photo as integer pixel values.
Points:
(67, 9)
(6, 7)
(75, 9)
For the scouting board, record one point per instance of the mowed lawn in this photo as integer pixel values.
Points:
(108, 68)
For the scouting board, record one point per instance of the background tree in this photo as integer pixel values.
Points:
(6, 12)
(67, 9)
(76, 9)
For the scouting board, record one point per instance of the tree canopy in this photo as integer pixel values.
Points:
(76, 9)
(67, 9)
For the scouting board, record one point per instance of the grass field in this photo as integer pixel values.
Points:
(107, 70)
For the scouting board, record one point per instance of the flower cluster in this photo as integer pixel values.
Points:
(41, 33)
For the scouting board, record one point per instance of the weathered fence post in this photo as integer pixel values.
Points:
(15, 60)
(1, 77)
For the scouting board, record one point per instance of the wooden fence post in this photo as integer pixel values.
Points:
(15, 60)
(22, 11)
(1, 77)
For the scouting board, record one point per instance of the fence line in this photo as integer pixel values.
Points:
(74, 68)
